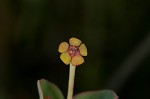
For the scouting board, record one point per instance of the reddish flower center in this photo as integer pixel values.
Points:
(73, 50)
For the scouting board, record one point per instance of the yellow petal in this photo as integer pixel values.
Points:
(74, 41)
(77, 60)
(63, 47)
(65, 57)
(83, 50)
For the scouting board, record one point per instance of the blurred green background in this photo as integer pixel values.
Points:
(116, 33)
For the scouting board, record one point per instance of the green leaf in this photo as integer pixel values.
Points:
(48, 90)
(104, 94)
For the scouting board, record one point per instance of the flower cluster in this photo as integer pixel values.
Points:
(72, 52)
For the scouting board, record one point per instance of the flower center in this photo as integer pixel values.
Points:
(73, 50)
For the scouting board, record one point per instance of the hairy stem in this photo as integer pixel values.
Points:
(71, 81)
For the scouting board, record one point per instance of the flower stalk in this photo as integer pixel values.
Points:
(71, 81)
(72, 53)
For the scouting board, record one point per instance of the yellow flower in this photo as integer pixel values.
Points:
(72, 53)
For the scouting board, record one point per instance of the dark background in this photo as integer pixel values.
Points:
(116, 33)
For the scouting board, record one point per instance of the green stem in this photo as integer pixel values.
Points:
(71, 81)
(40, 89)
